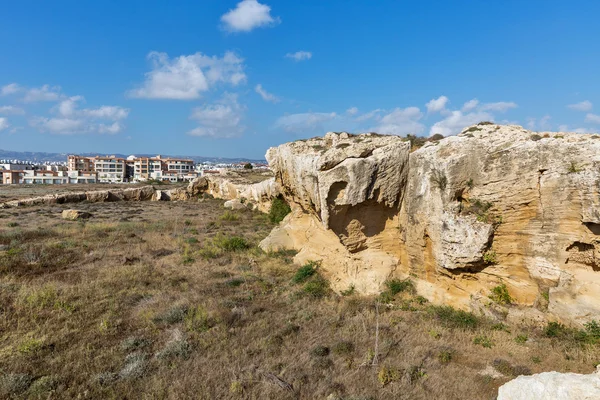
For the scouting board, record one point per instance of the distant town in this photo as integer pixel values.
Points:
(78, 169)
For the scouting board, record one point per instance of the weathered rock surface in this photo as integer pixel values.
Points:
(345, 192)
(552, 386)
(255, 196)
(494, 205)
(74, 215)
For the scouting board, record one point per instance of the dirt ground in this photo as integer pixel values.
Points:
(174, 300)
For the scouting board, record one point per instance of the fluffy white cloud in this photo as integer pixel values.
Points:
(186, 77)
(247, 15)
(457, 121)
(437, 105)
(500, 106)
(11, 110)
(44, 93)
(219, 120)
(72, 120)
(401, 122)
(61, 126)
(266, 96)
(299, 55)
(4, 124)
(585, 105)
(593, 118)
(69, 108)
(470, 105)
(303, 122)
(352, 111)
(112, 129)
(11, 88)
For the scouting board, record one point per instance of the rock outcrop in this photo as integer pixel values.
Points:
(552, 386)
(74, 215)
(495, 205)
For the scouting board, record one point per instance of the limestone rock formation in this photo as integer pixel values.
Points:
(494, 205)
(345, 192)
(255, 195)
(552, 386)
(74, 215)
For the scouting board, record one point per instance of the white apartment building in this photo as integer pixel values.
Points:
(110, 169)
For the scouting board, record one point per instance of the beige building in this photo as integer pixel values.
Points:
(110, 169)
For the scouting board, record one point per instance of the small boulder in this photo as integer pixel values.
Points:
(74, 215)
(552, 386)
(234, 204)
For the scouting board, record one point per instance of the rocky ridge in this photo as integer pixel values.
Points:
(495, 206)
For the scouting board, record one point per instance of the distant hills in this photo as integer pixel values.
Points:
(54, 157)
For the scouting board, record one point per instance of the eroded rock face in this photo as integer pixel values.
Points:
(552, 386)
(345, 192)
(494, 205)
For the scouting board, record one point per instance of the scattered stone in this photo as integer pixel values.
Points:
(74, 215)
(234, 204)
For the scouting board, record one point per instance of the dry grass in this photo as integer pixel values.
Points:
(157, 301)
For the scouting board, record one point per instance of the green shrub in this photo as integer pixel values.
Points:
(445, 356)
(12, 224)
(279, 209)
(452, 318)
(305, 272)
(197, 319)
(229, 216)
(484, 341)
(396, 286)
(318, 287)
(231, 243)
(387, 375)
(490, 257)
(535, 137)
(521, 339)
(500, 294)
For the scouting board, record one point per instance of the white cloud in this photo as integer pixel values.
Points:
(186, 77)
(4, 124)
(266, 96)
(247, 15)
(72, 120)
(585, 105)
(370, 115)
(299, 55)
(352, 111)
(500, 106)
(61, 126)
(457, 120)
(44, 93)
(437, 105)
(401, 122)
(112, 129)
(11, 110)
(11, 88)
(304, 122)
(541, 124)
(219, 120)
(593, 118)
(470, 105)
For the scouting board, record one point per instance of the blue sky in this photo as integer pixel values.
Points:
(232, 78)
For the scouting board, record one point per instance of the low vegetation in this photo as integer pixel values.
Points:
(279, 209)
(169, 300)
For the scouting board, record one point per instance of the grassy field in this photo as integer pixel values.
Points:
(160, 300)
